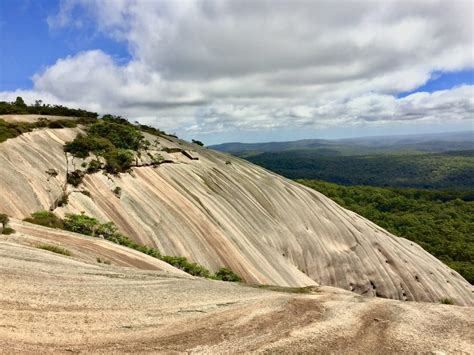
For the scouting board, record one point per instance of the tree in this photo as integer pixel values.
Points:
(4, 220)
(19, 102)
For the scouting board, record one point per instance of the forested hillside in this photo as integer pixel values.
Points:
(448, 170)
(442, 222)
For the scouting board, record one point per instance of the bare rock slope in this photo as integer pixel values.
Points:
(219, 211)
(51, 303)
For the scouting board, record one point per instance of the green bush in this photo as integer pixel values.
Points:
(63, 201)
(226, 274)
(446, 300)
(182, 263)
(45, 218)
(55, 249)
(80, 223)
(62, 124)
(118, 161)
(117, 191)
(4, 220)
(8, 230)
(82, 145)
(94, 166)
(75, 178)
(124, 136)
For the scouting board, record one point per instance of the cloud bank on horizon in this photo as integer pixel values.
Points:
(210, 68)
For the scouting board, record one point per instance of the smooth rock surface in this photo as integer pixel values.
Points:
(223, 211)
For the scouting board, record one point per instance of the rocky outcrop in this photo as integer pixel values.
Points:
(51, 303)
(222, 211)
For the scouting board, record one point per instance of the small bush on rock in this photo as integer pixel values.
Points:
(226, 274)
(45, 218)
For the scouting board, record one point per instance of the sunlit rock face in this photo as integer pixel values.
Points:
(218, 210)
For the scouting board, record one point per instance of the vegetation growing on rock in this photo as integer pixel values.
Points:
(14, 129)
(19, 107)
(83, 224)
(45, 218)
(55, 249)
(114, 139)
(4, 220)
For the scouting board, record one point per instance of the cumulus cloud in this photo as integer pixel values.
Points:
(217, 65)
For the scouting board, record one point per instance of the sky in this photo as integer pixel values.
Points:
(248, 71)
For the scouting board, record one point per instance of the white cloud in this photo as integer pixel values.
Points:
(214, 66)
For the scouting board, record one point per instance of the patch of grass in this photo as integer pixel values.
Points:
(446, 300)
(55, 249)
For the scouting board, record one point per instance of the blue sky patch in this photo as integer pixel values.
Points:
(444, 81)
(29, 45)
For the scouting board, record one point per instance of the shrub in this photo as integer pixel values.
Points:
(182, 263)
(55, 249)
(8, 230)
(117, 191)
(446, 300)
(94, 166)
(103, 261)
(75, 178)
(121, 135)
(4, 220)
(79, 147)
(226, 274)
(62, 124)
(45, 218)
(156, 159)
(198, 142)
(118, 161)
(63, 200)
(228, 162)
(80, 223)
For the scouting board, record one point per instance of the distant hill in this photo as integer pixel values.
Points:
(436, 142)
(434, 161)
